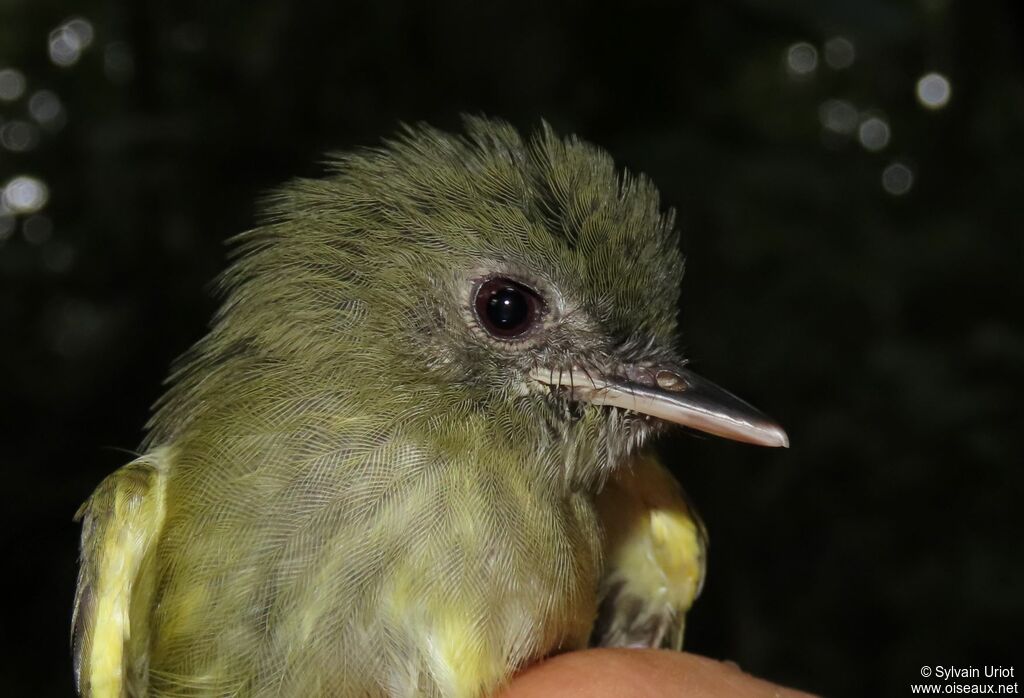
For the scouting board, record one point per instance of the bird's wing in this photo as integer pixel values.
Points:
(655, 547)
(120, 524)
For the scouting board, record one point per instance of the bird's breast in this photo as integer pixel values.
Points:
(405, 574)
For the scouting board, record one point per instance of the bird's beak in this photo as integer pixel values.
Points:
(671, 394)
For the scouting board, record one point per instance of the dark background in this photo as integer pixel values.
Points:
(884, 330)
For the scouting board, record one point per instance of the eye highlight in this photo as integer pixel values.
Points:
(505, 308)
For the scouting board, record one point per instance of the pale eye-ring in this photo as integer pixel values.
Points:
(506, 308)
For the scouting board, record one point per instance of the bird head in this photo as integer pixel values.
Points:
(520, 288)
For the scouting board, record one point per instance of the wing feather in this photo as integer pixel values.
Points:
(121, 521)
(655, 550)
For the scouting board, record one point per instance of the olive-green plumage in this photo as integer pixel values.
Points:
(352, 487)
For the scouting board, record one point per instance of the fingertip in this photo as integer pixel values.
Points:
(608, 673)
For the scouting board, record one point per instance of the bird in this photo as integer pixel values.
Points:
(414, 452)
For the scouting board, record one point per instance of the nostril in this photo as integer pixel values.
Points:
(670, 380)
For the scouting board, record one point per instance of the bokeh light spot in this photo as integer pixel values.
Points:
(801, 59)
(874, 133)
(838, 116)
(840, 53)
(897, 179)
(69, 40)
(45, 107)
(19, 136)
(12, 84)
(81, 28)
(934, 91)
(25, 194)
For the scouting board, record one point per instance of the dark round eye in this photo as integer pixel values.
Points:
(505, 308)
